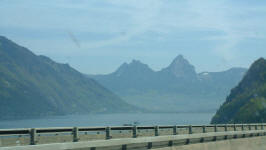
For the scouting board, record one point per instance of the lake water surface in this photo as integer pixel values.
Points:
(110, 120)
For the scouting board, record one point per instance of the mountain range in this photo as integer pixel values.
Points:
(247, 101)
(175, 88)
(33, 86)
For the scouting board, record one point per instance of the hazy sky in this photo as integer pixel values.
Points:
(97, 36)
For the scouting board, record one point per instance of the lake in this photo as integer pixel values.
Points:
(110, 120)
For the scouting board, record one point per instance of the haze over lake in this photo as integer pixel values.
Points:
(111, 120)
(117, 62)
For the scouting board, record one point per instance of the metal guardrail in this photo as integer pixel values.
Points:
(144, 142)
(32, 132)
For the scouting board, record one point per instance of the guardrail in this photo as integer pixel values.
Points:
(74, 131)
(144, 142)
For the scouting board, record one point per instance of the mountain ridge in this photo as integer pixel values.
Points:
(172, 84)
(32, 85)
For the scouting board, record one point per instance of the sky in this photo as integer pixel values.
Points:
(97, 36)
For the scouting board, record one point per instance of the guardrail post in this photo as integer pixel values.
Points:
(75, 132)
(225, 137)
(262, 128)
(235, 136)
(243, 128)
(190, 129)
(215, 128)
(174, 130)
(156, 130)
(170, 143)
(204, 129)
(134, 131)
(225, 127)
(256, 128)
(201, 140)
(249, 126)
(33, 136)
(124, 147)
(214, 138)
(107, 133)
(149, 145)
(187, 141)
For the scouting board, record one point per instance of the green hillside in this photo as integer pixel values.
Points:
(32, 86)
(246, 102)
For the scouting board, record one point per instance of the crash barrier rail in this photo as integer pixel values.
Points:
(33, 133)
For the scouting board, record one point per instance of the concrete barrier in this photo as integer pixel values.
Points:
(252, 143)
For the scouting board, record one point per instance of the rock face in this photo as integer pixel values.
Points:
(175, 88)
(33, 86)
(247, 101)
(181, 68)
(134, 68)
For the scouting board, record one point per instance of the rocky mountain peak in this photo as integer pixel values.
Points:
(180, 61)
(133, 68)
(181, 67)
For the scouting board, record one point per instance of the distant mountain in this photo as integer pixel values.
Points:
(175, 88)
(126, 76)
(221, 82)
(180, 68)
(33, 86)
(247, 101)
(135, 67)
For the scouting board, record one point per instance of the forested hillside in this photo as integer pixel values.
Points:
(247, 101)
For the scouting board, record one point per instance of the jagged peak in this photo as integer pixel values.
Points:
(180, 67)
(260, 60)
(257, 67)
(136, 62)
(134, 66)
(179, 57)
(180, 60)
